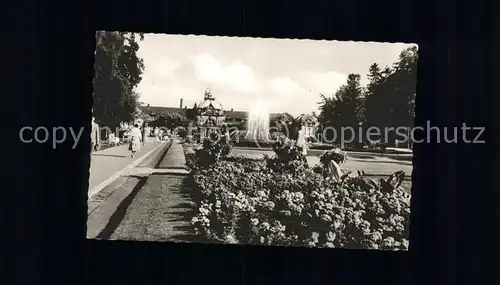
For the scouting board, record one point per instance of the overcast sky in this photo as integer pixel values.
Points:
(287, 74)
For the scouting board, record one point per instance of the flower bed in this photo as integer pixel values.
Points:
(244, 200)
(320, 146)
(190, 154)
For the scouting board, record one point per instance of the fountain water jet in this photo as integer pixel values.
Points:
(258, 122)
(257, 125)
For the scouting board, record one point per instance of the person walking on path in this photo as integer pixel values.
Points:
(135, 140)
(144, 133)
(227, 136)
(94, 136)
(156, 133)
(301, 141)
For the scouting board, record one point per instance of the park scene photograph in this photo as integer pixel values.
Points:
(260, 141)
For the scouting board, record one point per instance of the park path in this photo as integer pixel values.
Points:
(150, 205)
(105, 163)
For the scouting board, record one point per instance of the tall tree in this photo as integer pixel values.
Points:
(374, 75)
(283, 122)
(118, 71)
(405, 86)
(344, 109)
(352, 98)
(377, 97)
(174, 120)
(390, 96)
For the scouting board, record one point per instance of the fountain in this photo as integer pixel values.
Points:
(258, 122)
(257, 132)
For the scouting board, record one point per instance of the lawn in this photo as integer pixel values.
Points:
(372, 165)
(375, 167)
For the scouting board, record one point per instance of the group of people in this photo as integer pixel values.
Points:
(135, 133)
(160, 134)
(138, 135)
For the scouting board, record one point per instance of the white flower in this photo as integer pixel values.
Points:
(266, 225)
(336, 224)
(261, 193)
(230, 239)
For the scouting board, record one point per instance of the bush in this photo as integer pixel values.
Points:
(377, 145)
(182, 132)
(190, 150)
(335, 154)
(288, 158)
(243, 201)
(213, 149)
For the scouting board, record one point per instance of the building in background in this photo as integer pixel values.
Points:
(308, 123)
(209, 115)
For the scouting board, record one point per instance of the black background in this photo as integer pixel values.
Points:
(47, 80)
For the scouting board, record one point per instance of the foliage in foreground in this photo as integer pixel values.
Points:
(244, 203)
(287, 159)
(213, 149)
(243, 200)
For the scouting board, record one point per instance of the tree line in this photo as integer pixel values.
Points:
(387, 101)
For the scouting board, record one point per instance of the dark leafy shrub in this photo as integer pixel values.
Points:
(189, 139)
(288, 157)
(213, 149)
(182, 132)
(317, 169)
(335, 154)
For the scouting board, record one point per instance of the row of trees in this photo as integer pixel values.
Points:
(118, 70)
(388, 100)
(170, 120)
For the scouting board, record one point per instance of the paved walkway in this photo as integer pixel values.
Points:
(147, 204)
(105, 163)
